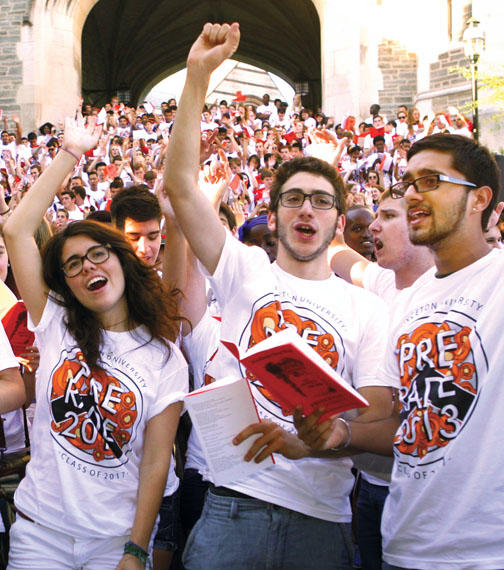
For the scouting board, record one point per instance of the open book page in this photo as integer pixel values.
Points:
(219, 412)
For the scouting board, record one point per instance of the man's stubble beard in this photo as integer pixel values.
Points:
(281, 234)
(436, 235)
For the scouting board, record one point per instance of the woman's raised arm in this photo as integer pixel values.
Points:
(22, 224)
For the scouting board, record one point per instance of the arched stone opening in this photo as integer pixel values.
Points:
(129, 46)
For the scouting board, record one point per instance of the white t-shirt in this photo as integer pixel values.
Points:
(270, 109)
(13, 420)
(445, 509)
(96, 196)
(75, 215)
(78, 481)
(343, 323)
(381, 282)
(7, 358)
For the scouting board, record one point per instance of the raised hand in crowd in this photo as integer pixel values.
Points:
(214, 179)
(238, 210)
(325, 145)
(215, 44)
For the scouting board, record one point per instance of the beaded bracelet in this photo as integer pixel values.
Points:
(138, 552)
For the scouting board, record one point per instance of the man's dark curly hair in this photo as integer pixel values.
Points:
(312, 166)
(149, 301)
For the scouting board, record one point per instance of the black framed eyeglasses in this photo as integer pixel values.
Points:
(95, 254)
(295, 198)
(426, 183)
(401, 117)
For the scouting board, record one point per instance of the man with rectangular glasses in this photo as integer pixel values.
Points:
(282, 515)
(446, 348)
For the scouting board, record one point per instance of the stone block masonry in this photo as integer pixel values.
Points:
(440, 74)
(399, 73)
(11, 73)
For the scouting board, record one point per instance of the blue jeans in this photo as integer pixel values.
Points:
(235, 532)
(369, 512)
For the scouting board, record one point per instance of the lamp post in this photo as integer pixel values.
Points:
(474, 44)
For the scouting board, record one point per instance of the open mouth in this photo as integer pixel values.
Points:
(416, 215)
(305, 230)
(96, 283)
(378, 244)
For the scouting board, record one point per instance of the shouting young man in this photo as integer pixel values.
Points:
(446, 354)
(300, 505)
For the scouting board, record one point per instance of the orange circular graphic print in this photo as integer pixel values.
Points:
(94, 413)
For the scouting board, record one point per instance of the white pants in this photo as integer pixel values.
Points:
(39, 547)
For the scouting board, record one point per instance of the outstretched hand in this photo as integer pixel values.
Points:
(324, 145)
(78, 137)
(215, 44)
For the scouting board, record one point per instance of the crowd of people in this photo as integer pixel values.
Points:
(128, 233)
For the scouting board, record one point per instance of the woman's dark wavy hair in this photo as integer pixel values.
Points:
(149, 301)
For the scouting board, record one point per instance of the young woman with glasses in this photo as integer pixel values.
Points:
(108, 387)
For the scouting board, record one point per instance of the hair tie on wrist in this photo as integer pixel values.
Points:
(77, 158)
(349, 436)
(6, 211)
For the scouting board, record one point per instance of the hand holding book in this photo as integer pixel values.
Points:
(317, 435)
(273, 439)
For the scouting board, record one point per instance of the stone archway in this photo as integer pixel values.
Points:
(101, 46)
(129, 45)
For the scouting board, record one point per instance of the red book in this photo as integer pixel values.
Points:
(16, 328)
(296, 375)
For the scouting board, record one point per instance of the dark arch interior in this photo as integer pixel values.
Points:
(130, 44)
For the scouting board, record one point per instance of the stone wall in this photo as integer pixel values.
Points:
(441, 78)
(11, 73)
(399, 74)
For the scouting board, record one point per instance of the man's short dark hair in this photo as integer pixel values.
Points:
(118, 182)
(102, 216)
(70, 193)
(312, 166)
(98, 164)
(80, 190)
(471, 159)
(135, 202)
(378, 138)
